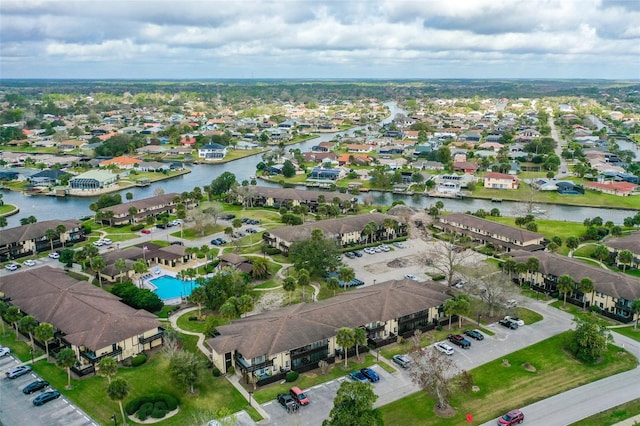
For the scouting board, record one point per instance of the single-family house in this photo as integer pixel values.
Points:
(500, 181)
(621, 189)
(93, 180)
(212, 151)
(122, 162)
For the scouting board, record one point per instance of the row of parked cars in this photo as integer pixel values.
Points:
(511, 322)
(47, 394)
(13, 266)
(293, 400)
(102, 242)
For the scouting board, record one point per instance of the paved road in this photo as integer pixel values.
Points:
(584, 401)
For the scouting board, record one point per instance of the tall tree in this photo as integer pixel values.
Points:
(66, 359)
(625, 258)
(303, 280)
(28, 325)
(13, 316)
(601, 253)
(108, 367)
(359, 339)
(120, 265)
(118, 390)
(97, 265)
(199, 297)
(434, 373)
(51, 235)
(289, 285)
(333, 284)
(345, 338)
(353, 406)
(586, 286)
(317, 254)
(449, 309)
(590, 338)
(259, 268)
(185, 368)
(565, 285)
(635, 307)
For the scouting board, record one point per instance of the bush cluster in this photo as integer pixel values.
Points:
(292, 376)
(138, 360)
(138, 298)
(271, 250)
(137, 227)
(155, 405)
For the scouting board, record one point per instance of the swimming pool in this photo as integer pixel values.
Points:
(168, 287)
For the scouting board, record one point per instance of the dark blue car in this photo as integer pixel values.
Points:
(370, 374)
(35, 386)
(358, 377)
(45, 397)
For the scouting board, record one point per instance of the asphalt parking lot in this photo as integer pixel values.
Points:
(394, 386)
(17, 409)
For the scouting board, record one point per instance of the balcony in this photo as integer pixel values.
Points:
(375, 329)
(158, 335)
(304, 352)
(244, 365)
(93, 358)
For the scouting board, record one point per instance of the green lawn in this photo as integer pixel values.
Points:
(19, 348)
(89, 393)
(613, 415)
(547, 227)
(629, 332)
(313, 378)
(194, 326)
(578, 312)
(512, 386)
(586, 250)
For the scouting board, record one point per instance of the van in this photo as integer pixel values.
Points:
(299, 396)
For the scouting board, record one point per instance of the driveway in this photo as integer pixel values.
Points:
(17, 409)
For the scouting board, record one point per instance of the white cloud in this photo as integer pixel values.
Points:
(358, 38)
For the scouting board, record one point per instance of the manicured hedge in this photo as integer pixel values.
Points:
(138, 360)
(148, 404)
(292, 376)
(137, 227)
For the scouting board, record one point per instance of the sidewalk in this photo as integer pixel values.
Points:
(629, 422)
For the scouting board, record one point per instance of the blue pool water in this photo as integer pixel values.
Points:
(170, 288)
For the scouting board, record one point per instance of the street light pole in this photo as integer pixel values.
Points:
(479, 319)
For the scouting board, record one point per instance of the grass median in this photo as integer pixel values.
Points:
(505, 386)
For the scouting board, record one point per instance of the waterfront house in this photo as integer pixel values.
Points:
(212, 151)
(93, 180)
(27, 240)
(122, 214)
(500, 181)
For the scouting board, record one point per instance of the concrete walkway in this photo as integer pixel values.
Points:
(633, 421)
(234, 379)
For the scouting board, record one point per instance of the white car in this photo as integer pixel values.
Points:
(29, 263)
(12, 267)
(98, 243)
(106, 241)
(54, 255)
(4, 351)
(445, 348)
(517, 320)
(411, 277)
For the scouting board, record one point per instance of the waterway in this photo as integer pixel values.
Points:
(47, 208)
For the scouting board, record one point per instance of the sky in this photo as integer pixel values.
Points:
(381, 39)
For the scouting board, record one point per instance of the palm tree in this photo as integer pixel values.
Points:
(44, 332)
(140, 267)
(368, 230)
(586, 286)
(118, 390)
(533, 266)
(12, 316)
(345, 338)
(97, 265)
(259, 268)
(3, 311)
(625, 257)
(359, 339)
(303, 280)
(450, 309)
(245, 304)
(509, 266)
(635, 307)
(520, 269)
(199, 297)
(107, 367)
(51, 235)
(333, 284)
(133, 211)
(28, 325)
(66, 359)
(61, 229)
(346, 274)
(565, 285)
(120, 265)
(289, 285)
(463, 307)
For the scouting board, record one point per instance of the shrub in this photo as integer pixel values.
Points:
(160, 405)
(171, 401)
(145, 410)
(272, 250)
(292, 376)
(216, 372)
(158, 414)
(137, 227)
(231, 371)
(138, 360)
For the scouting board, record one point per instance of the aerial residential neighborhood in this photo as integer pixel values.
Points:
(241, 254)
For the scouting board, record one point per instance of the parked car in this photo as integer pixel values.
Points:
(45, 397)
(29, 262)
(511, 418)
(358, 253)
(146, 231)
(222, 241)
(474, 334)
(12, 267)
(35, 386)
(54, 255)
(511, 303)
(18, 371)
(350, 255)
(228, 217)
(287, 402)
(216, 242)
(358, 377)
(4, 351)
(458, 283)
(458, 339)
(252, 230)
(370, 374)
(410, 277)
(177, 243)
(444, 348)
(402, 360)
(300, 397)
(516, 320)
(398, 244)
(508, 323)
(161, 226)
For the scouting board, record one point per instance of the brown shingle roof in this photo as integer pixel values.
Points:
(34, 230)
(510, 232)
(295, 326)
(298, 194)
(87, 315)
(630, 242)
(144, 204)
(610, 283)
(330, 227)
